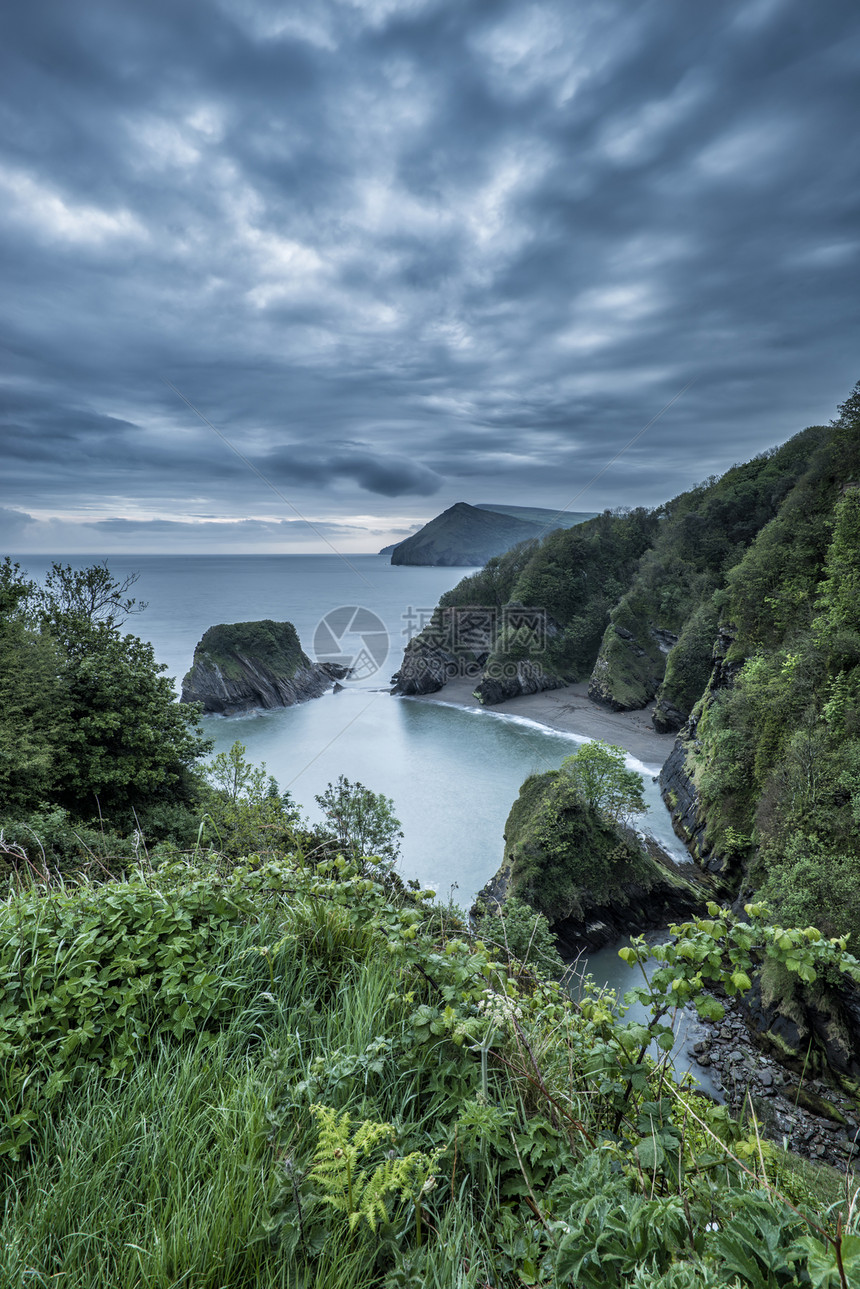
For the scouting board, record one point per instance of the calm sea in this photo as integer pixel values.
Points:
(452, 773)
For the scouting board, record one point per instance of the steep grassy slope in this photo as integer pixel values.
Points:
(277, 1076)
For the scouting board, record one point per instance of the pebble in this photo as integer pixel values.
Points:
(729, 1051)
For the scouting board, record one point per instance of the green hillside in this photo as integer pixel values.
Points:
(547, 519)
(766, 561)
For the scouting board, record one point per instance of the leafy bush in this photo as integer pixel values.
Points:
(305, 1083)
(516, 930)
(362, 823)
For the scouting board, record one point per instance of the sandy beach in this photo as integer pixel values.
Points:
(571, 711)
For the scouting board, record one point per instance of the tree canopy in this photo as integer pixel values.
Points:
(88, 719)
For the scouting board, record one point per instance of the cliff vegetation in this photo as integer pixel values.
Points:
(238, 1051)
(297, 1072)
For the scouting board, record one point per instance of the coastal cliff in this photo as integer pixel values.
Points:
(594, 880)
(465, 535)
(495, 649)
(242, 665)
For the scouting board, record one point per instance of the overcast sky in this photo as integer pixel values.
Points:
(403, 253)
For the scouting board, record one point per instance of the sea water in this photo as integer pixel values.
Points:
(452, 772)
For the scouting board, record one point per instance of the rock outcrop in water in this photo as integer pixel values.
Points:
(593, 880)
(242, 665)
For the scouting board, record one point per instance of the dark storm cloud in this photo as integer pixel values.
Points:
(410, 250)
(389, 476)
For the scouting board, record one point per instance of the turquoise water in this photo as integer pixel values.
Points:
(453, 773)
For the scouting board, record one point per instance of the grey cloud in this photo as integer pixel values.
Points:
(413, 252)
(244, 527)
(387, 476)
(13, 523)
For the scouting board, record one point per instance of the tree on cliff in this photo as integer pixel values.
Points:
(603, 781)
(249, 812)
(29, 696)
(362, 822)
(89, 720)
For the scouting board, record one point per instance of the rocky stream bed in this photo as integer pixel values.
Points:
(809, 1116)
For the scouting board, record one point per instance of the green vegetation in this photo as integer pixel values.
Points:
(360, 822)
(601, 778)
(88, 721)
(763, 566)
(564, 855)
(514, 930)
(777, 757)
(577, 575)
(634, 591)
(240, 1052)
(288, 1074)
(273, 645)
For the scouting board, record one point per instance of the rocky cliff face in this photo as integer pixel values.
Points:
(508, 678)
(481, 644)
(630, 666)
(242, 665)
(455, 643)
(677, 782)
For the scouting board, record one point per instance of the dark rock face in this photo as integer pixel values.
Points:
(510, 679)
(456, 642)
(600, 686)
(820, 1034)
(676, 784)
(667, 719)
(635, 907)
(813, 1115)
(635, 910)
(682, 798)
(459, 642)
(242, 665)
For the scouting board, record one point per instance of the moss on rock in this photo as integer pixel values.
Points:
(564, 857)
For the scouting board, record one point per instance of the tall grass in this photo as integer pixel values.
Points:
(201, 1166)
(164, 1178)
